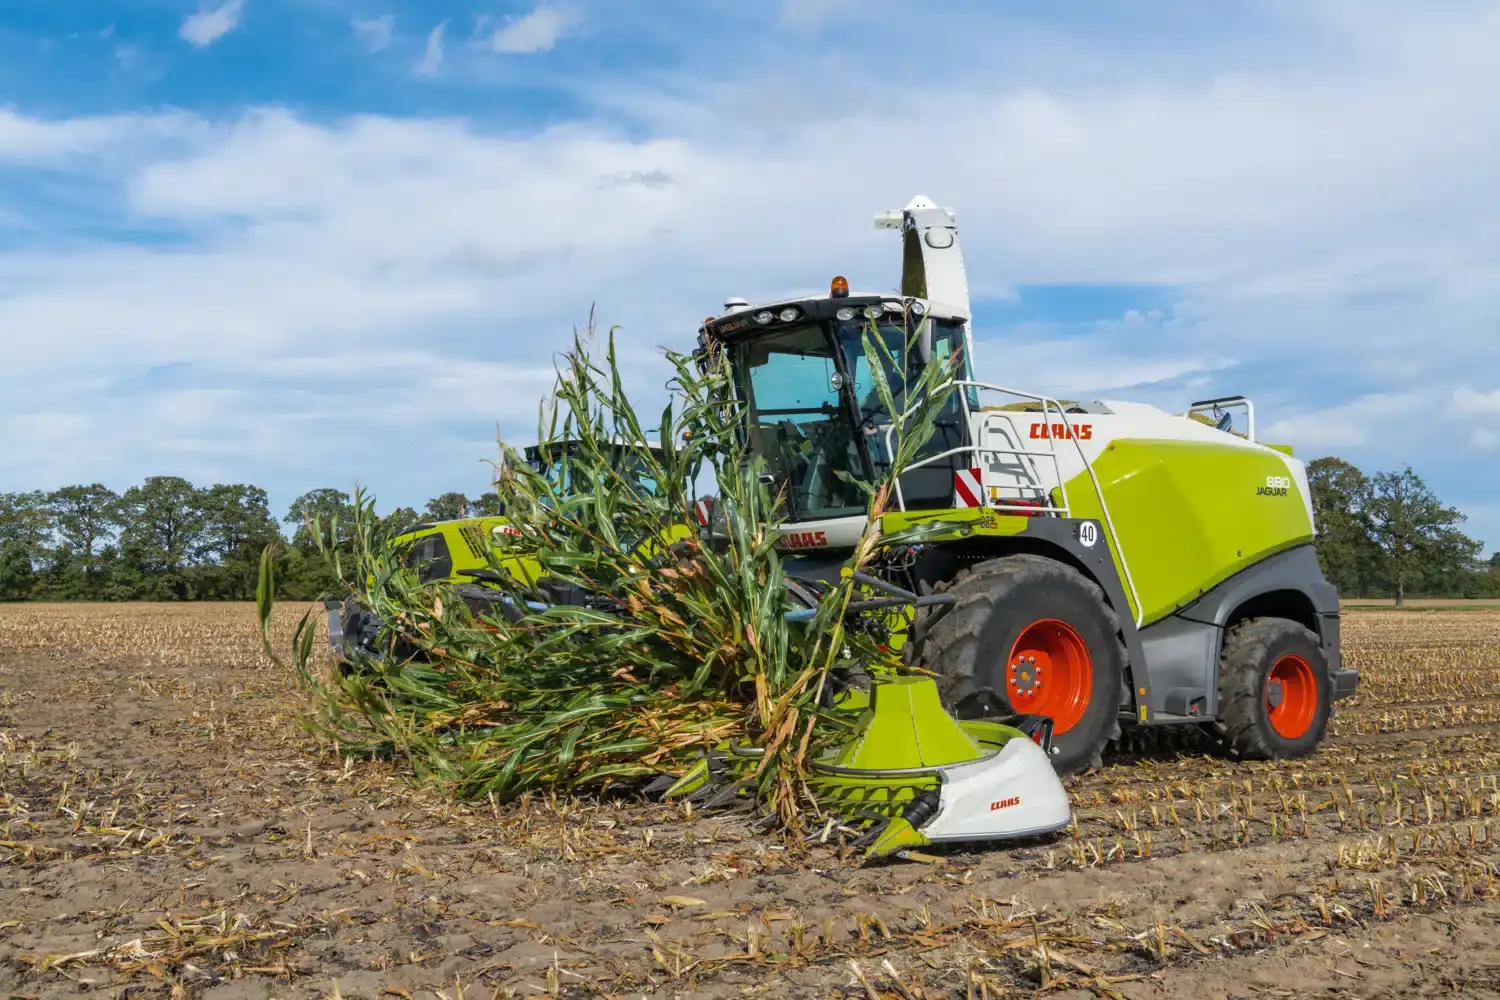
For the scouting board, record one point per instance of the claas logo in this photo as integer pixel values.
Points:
(1060, 432)
(1014, 800)
(804, 539)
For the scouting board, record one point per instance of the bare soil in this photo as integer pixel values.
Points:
(167, 829)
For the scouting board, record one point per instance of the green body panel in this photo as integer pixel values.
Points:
(905, 727)
(471, 542)
(966, 522)
(1189, 515)
(469, 545)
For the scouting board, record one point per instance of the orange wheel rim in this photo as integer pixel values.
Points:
(1291, 696)
(1049, 672)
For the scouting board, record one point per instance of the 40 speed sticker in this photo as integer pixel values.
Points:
(1088, 534)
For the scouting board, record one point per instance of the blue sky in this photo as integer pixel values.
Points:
(304, 242)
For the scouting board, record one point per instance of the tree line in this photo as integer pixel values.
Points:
(1388, 535)
(169, 540)
(1381, 535)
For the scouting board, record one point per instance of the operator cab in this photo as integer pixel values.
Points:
(814, 414)
(553, 461)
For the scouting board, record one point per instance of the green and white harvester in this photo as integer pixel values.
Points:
(468, 556)
(1089, 568)
(1107, 564)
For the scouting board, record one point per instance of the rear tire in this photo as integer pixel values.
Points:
(1019, 613)
(1274, 690)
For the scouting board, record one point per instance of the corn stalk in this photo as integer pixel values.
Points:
(686, 643)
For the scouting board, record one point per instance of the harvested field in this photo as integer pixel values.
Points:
(1422, 603)
(165, 830)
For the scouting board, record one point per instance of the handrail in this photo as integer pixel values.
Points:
(975, 448)
(1048, 404)
(1220, 403)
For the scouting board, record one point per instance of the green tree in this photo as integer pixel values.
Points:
(1416, 534)
(237, 525)
(487, 505)
(326, 505)
(1452, 567)
(399, 520)
(304, 573)
(24, 529)
(85, 518)
(448, 507)
(1346, 549)
(163, 530)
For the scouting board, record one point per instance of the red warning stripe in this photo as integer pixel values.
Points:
(967, 491)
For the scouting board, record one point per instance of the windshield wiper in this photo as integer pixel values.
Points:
(825, 408)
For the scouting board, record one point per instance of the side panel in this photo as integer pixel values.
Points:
(1190, 515)
(1182, 660)
(1182, 650)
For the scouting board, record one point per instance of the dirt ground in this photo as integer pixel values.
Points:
(166, 830)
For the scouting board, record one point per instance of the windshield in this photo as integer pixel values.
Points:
(815, 437)
(799, 422)
(900, 373)
(628, 461)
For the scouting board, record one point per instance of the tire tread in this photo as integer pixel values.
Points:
(1245, 650)
(953, 639)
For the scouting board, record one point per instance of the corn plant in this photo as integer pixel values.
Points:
(684, 642)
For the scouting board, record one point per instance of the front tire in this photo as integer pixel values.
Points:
(1039, 635)
(1274, 690)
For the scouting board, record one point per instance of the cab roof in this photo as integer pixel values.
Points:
(742, 321)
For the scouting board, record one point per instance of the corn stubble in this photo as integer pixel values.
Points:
(1380, 835)
(693, 650)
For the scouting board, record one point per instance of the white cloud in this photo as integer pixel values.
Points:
(211, 24)
(1107, 360)
(376, 32)
(106, 143)
(1484, 439)
(1354, 424)
(432, 55)
(31, 139)
(538, 31)
(1469, 402)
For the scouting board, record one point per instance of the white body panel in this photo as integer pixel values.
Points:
(1016, 793)
(1027, 455)
(831, 533)
(1023, 457)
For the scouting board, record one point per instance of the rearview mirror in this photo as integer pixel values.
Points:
(924, 344)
